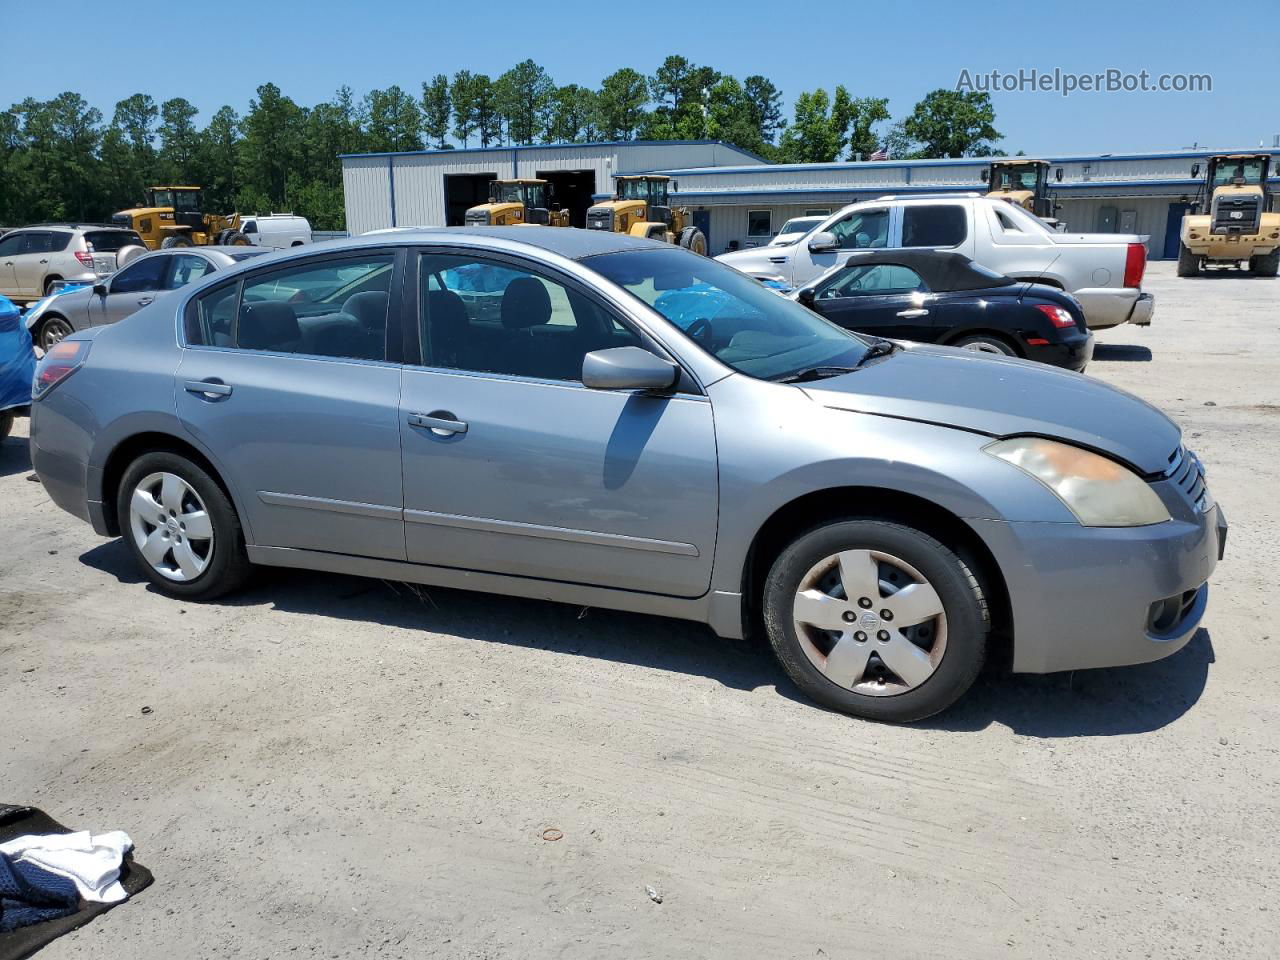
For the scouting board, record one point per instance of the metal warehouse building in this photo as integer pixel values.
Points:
(740, 200)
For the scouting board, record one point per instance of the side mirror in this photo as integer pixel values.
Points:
(627, 368)
(100, 289)
(806, 295)
(1195, 170)
(675, 186)
(1057, 175)
(986, 176)
(823, 241)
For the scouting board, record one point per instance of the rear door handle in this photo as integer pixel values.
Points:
(912, 314)
(440, 422)
(208, 389)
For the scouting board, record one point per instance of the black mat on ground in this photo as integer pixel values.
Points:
(23, 942)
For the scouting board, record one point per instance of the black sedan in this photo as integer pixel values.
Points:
(938, 297)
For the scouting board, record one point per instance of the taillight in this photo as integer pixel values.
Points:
(1135, 265)
(61, 361)
(85, 258)
(1058, 316)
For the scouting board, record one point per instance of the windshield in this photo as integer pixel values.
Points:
(1017, 178)
(640, 190)
(516, 193)
(1228, 171)
(731, 316)
(162, 198)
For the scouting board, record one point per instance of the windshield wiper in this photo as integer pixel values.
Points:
(814, 373)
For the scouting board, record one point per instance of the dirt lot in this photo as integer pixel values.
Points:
(337, 767)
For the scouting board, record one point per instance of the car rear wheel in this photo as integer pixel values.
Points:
(52, 330)
(876, 619)
(48, 284)
(1188, 262)
(181, 528)
(986, 343)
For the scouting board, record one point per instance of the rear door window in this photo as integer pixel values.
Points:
(37, 241)
(933, 225)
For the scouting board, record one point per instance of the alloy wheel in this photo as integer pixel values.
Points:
(870, 622)
(171, 527)
(53, 331)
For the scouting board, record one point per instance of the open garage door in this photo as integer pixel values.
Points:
(573, 190)
(462, 191)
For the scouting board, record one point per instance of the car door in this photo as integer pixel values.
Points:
(10, 244)
(32, 262)
(512, 466)
(862, 229)
(287, 383)
(129, 290)
(886, 299)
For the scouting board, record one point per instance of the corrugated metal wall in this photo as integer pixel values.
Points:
(366, 190)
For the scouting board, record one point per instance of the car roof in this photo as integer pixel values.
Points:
(942, 270)
(573, 243)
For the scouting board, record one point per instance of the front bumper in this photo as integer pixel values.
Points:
(1083, 597)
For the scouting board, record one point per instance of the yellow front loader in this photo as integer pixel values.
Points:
(514, 203)
(1233, 222)
(1024, 182)
(641, 207)
(171, 217)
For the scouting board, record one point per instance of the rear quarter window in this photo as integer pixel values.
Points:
(934, 225)
(58, 240)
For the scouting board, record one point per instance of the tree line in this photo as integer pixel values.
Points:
(62, 159)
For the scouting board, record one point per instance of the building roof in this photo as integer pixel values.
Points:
(522, 147)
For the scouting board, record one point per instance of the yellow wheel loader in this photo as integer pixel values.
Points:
(514, 203)
(171, 217)
(1233, 220)
(640, 207)
(1024, 182)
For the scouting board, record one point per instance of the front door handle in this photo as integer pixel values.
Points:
(440, 422)
(143, 301)
(208, 389)
(912, 314)
(44, 261)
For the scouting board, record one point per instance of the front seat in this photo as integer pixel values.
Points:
(526, 305)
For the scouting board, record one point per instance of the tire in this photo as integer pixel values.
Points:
(52, 329)
(48, 284)
(865, 684)
(1188, 262)
(175, 240)
(691, 238)
(6, 423)
(214, 565)
(1267, 265)
(988, 343)
(221, 239)
(237, 239)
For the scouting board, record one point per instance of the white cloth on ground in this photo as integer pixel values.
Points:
(91, 861)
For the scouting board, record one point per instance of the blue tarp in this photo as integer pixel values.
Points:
(17, 358)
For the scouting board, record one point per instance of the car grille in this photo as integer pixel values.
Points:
(1237, 215)
(1187, 473)
(600, 219)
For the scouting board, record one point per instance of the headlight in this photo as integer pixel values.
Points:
(1100, 492)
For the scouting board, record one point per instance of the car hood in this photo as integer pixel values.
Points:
(1001, 398)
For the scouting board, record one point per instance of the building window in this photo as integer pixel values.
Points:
(759, 223)
(818, 213)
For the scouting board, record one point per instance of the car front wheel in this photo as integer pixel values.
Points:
(876, 619)
(181, 528)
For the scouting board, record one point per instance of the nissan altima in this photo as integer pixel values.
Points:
(510, 410)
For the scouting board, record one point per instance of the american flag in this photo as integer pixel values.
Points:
(880, 154)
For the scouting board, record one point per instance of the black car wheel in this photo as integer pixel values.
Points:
(876, 619)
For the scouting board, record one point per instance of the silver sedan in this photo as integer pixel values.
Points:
(514, 410)
(127, 291)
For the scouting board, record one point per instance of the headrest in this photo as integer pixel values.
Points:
(370, 308)
(266, 325)
(525, 304)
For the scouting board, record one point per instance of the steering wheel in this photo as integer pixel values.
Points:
(700, 330)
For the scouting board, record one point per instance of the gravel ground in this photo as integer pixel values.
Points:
(338, 767)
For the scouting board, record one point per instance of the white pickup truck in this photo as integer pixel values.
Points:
(1101, 270)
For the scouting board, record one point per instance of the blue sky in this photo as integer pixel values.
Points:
(222, 50)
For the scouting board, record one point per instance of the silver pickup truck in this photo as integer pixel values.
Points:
(1102, 270)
